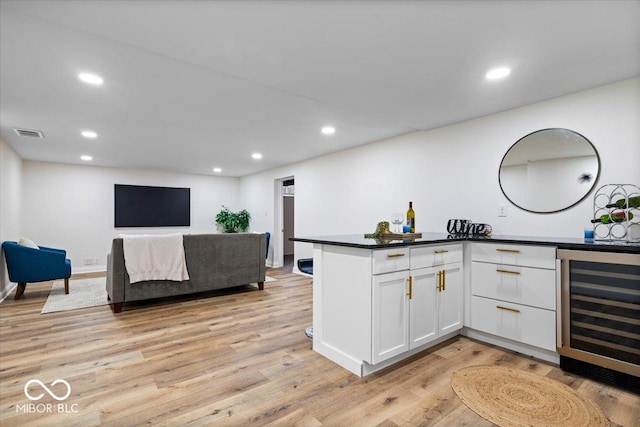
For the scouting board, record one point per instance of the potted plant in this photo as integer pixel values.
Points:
(232, 222)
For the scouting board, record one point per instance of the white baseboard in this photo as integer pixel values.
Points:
(10, 291)
(89, 269)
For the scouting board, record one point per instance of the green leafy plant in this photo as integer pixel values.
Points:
(232, 222)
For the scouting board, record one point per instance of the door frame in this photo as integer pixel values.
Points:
(277, 237)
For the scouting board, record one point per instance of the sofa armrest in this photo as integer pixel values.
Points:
(262, 249)
(62, 251)
(116, 272)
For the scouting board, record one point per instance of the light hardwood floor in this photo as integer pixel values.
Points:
(234, 359)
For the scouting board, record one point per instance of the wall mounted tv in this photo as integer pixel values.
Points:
(144, 206)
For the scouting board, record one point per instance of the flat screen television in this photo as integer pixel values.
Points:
(145, 206)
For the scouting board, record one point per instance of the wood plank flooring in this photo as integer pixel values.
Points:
(234, 359)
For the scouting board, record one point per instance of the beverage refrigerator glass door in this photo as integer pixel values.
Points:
(600, 309)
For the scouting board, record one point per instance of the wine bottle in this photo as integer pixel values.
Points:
(634, 202)
(411, 218)
(613, 217)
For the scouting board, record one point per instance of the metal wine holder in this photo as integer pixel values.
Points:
(629, 229)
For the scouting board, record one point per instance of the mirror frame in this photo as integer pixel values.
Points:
(593, 186)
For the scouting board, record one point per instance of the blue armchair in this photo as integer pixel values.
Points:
(268, 237)
(28, 265)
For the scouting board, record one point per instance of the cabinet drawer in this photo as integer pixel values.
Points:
(533, 326)
(431, 256)
(535, 287)
(524, 255)
(389, 260)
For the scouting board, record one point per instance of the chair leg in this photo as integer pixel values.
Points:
(19, 291)
(66, 285)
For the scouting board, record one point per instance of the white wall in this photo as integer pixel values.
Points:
(71, 206)
(452, 172)
(10, 206)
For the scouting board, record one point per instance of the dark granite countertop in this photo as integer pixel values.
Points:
(359, 241)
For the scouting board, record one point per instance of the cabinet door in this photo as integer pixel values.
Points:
(423, 312)
(450, 298)
(390, 315)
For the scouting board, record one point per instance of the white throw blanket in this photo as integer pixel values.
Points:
(154, 257)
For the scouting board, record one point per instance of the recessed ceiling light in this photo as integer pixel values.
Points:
(256, 156)
(217, 170)
(89, 134)
(498, 73)
(92, 79)
(328, 130)
(86, 158)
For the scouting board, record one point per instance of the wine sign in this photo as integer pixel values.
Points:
(465, 227)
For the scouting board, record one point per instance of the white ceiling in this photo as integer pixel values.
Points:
(190, 85)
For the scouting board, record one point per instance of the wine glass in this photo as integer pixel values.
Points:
(397, 219)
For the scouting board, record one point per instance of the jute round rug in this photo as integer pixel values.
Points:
(510, 397)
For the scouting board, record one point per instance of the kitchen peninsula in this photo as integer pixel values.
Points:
(376, 302)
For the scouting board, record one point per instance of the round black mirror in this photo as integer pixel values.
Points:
(549, 170)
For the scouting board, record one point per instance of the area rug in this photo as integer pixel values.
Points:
(82, 293)
(511, 397)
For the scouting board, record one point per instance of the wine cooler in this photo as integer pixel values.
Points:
(599, 322)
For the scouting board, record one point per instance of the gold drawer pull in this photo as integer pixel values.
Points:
(507, 309)
(441, 251)
(513, 251)
(394, 255)
(410, 294)
(507, 271)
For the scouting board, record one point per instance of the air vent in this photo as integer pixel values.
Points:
(29, 133)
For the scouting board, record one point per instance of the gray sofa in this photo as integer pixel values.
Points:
(214, 261)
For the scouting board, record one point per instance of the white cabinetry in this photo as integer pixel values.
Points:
(374, 307)
(390, 315)
(440, 267)
(514, 293)
(413, 308)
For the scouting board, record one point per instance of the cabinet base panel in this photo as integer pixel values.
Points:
(601, 374)
(362, 368)
(538, 353)
(370, 369)
(338, 357)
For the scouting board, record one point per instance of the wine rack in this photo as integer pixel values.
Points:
(627, 229)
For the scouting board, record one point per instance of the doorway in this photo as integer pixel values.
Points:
(284, 223)
(288, 222)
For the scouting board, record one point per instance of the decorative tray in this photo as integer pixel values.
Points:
(400, 236)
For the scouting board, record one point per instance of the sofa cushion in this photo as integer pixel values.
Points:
(28, 243)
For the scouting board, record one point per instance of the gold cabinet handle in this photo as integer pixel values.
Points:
(394, 255)
(441, 251)
(513, 251)
(507, 309)
(442, 281)
(410, 294)
(499, 270)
